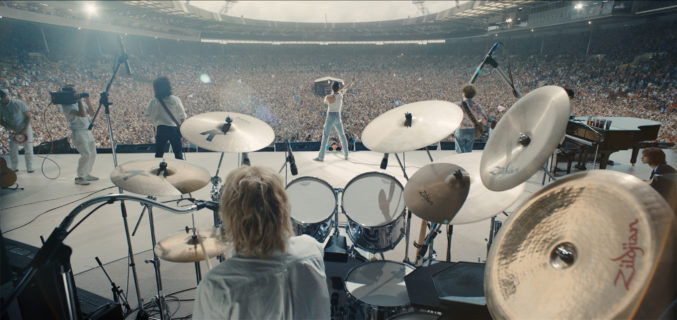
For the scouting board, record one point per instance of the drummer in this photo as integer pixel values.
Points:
(465, 135)
(272, 274)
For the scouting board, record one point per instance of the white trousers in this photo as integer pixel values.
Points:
(28, 150)
(83, 140)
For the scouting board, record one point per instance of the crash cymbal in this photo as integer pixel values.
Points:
(436, 191)
(431, 121)
(211, 131)
(525, 137)
(481, 202)
(184, 247)
(594, 245)
(141, 177)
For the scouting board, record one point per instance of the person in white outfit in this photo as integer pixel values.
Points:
(15, 117)
(77, 115)
(272, 274)
(334, 103)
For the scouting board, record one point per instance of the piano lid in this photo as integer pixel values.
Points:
(623, 123)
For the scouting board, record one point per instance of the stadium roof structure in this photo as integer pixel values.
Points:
(178, 20)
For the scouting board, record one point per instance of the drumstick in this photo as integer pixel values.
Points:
(421, 239)
(204, 251)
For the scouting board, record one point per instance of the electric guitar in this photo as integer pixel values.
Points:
(479, 128)
(7, 175)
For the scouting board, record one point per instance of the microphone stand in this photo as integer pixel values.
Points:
(285, 165)
(118, 294)
(103, 101)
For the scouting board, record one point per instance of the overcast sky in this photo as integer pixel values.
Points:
(336, 11)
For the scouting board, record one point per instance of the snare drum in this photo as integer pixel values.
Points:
(313, 204)
(374, 206)
(376, 289)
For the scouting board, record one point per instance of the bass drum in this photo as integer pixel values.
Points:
(313, 205)
(374, 206)
(376, 289)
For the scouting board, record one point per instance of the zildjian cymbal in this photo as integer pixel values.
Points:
(145, 177)
(594, 245)
(227, 132)
(481, 202)
(525, 137)
(412, 126)
(186, 247)
(436, 192)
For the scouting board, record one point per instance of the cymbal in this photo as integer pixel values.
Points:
(245, 134)
(525, 137)
(431, 121)
(592, 245)
(436, 191)
(141, 177)
(184, 247)
(481, 202)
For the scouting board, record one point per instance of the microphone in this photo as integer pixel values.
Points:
(124, 57)
(292, 162)
(486, 59)
(384, 162)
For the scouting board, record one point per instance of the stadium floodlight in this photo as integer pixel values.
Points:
(90, 8)
(509, 20)
(578, 6)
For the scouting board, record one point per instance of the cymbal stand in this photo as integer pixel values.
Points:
(103, 101)
(160, 298)
(495, 226)
(450, 231)
(215, 192)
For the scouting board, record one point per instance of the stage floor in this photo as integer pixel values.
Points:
(49, 194)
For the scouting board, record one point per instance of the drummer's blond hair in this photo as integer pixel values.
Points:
(255, 211)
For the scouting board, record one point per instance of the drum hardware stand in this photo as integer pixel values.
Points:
(118, 294)
(428, 244)
(406, 238)
(495, 226)
(160, 297)
(103, 101)
(450, 231)
(214, 193)
(337, 246)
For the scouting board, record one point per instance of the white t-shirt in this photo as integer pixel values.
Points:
(338, 103)
(75, 122)
(286, 286)
(156, 114)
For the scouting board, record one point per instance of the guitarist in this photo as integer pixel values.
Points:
(474, 121)
(16, 118)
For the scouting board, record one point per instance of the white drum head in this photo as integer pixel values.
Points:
(373, 199)
(379, 283)
(312, 200)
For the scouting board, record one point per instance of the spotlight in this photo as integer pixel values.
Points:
(90, 9)
(578, 6)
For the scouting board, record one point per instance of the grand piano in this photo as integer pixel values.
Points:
(623, 133)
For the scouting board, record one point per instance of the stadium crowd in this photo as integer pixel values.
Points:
(275, 85)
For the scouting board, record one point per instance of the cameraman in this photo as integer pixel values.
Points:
(78, 121)
(15, 117)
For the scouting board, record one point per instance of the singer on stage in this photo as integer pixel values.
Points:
(466, 133)
(334, 103)
(272, 275)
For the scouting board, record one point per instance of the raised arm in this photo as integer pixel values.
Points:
(345, 88)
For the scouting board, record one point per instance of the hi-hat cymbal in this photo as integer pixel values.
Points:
(142, 177)
(594, 245)
(211, 131)
(436, 191)
(481, 202)
(431, 121)
(185, 247)
(525, 137)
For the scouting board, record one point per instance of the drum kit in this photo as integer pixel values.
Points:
(592, 245)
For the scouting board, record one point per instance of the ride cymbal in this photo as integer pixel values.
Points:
(594, 245)
(227, 132)
(525, 137)
(436, 191)
(481, 202)
(186, 247)
(412, 126)
(142, 177)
